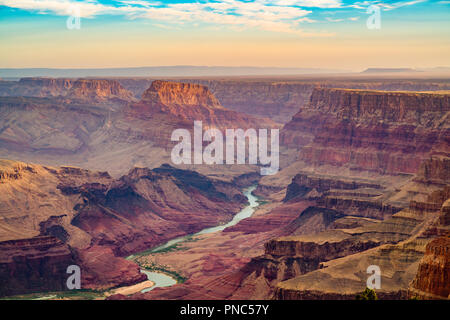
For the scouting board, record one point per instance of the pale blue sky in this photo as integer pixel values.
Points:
(285, 33)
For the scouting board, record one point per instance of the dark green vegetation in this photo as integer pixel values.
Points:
(368, 294)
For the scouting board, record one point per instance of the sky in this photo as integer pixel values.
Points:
(332, 34)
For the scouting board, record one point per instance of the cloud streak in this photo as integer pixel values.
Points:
(283, 16)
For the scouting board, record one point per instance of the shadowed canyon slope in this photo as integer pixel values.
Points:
(53, 217)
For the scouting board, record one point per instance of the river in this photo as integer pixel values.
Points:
(163, 280)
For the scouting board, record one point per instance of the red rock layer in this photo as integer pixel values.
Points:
(370, 130)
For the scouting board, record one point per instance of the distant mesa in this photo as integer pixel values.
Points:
(389, 70)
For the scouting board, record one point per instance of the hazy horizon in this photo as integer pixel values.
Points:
(219, 71)
(327, 34)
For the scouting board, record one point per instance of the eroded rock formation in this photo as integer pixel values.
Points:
(54, 217)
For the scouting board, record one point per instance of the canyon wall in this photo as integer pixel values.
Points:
(370, 130)
(277, 99)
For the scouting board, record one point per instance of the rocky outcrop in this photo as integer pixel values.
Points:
(350, 197)
(433, 276)
(180, 95)
(191, 102)
(315, 250)
(101, 269)
(346, 230)
(398, 244)
(354, 206)
(275, 99)
(101, 132)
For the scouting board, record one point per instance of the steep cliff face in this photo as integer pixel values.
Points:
(277, 100)
(370, 130)
(435, 170)
(280, 100)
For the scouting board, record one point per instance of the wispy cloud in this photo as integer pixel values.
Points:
(285, 16)
(384, 5)
(275, 16)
